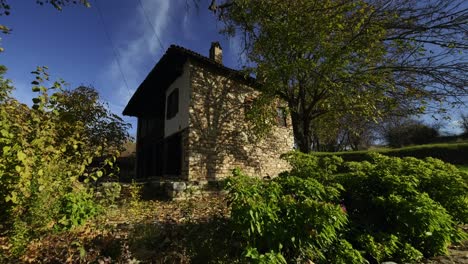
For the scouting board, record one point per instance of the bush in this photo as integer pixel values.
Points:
(404, 205)
(42, 160)
(382, 209)
(411, 133)
(293, 217)
(451, 153)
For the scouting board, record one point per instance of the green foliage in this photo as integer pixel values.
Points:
(455, 153)
(386, 209)
(324, 67)
(261, 115)
(5, 85)
(411, 133)
(102, 128)
(109, 192)
(135, 191)
(75, 209)
(289, 218)
(44, 165)
(404, 205)
(359, 59)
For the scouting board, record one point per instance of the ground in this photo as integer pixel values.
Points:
(187, 231)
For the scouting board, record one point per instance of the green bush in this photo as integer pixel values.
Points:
(76, 208)
(452, 153)
(404, 205)
(292, 217)
(412, 133)
(382, 209)
(43, 166)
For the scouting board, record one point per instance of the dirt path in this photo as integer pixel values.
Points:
(457, 254)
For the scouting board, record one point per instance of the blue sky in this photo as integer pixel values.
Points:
(74, 43)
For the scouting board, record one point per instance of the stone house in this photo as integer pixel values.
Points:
(192, 124)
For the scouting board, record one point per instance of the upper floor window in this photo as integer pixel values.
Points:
(172, 106)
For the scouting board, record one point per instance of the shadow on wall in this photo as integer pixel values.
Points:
(219, 137)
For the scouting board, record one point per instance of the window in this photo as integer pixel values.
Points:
(281, 116)
(172, 104)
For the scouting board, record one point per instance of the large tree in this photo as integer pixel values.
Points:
(356, 57)
(101, 127)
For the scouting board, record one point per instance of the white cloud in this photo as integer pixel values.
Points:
(136, 54)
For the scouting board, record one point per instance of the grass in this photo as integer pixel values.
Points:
(463, 168)
(455, 153)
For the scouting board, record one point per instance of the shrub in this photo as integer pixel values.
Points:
(75, 208)
(42, 160)
(411, 133)
(108, 193)
(382, 209)
(451, 153)
(402, 209)
(292, 217)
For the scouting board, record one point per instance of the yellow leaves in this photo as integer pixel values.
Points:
(21, 156)
(6, 149)
(12, 197)
(4, 29)
(6, 134)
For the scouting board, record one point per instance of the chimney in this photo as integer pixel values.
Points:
(216, 53)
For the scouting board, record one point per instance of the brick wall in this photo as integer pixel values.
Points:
(218, 135)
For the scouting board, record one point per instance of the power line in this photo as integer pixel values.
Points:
(151, 24)
(115, 52)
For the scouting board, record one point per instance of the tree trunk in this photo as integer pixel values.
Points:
(302, 132)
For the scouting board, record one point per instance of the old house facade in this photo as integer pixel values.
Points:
(192, 125)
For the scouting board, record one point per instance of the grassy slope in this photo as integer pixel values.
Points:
(456, 153)
(463, 168)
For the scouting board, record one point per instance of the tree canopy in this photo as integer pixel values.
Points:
(102, 127)
(359, 58)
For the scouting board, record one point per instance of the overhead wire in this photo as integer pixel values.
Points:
(114, 49)
(151, 24)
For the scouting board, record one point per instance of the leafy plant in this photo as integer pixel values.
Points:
(44, 165)
(289, 218)
(76, 208)
(135, 196)
(109, 192)
(328, 211)
(404, 205)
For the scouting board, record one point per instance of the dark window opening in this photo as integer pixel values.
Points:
(281, 116)
(173, 155)
(172, 104)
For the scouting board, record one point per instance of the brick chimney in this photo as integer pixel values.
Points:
(216, 52)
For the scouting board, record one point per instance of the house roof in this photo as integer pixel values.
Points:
(150, 96)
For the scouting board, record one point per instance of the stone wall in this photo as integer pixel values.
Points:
(219, 139)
